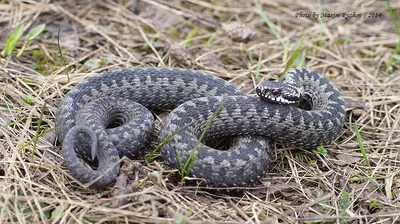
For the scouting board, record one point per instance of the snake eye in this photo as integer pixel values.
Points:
(276, 91)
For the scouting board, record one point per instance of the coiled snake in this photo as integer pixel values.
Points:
(105, 117)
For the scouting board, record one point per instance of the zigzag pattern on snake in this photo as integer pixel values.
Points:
(105, 117)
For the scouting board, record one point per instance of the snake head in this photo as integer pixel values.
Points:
(279, 92)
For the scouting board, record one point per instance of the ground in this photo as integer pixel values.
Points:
(353, 180)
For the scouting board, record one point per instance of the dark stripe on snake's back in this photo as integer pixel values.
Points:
(242, 165)
(243, 115)
(152, 87)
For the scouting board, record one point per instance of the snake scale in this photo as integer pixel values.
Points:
(106, 117)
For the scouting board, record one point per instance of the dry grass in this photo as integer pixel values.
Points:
(337, 186)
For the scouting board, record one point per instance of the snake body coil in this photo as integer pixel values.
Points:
(93, 122)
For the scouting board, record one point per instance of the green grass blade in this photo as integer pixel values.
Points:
(150, 156)
(179, 158)
(195, 151)
(300, 60)
(189, 37)
(61, 54)
(13, 39)
(271, 26)
(359, 140)
(389, 67)
(321, 23)
(34, 139)
(34, 32)
(258, 65)
(293, 57)
(211, 39)
(184, 169)
(394, 16)
(250, 55)
(13, 123)
(59, 49)
(58, 212)
(37, 135)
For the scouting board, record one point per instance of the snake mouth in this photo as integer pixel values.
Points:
(279, 92)
(117, 119)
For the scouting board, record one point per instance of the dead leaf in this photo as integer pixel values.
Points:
(345, 159)
(238, 32)
(181, 54)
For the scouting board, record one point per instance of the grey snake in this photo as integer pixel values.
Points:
(106, 117)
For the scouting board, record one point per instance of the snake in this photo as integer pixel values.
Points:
(108, 116)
